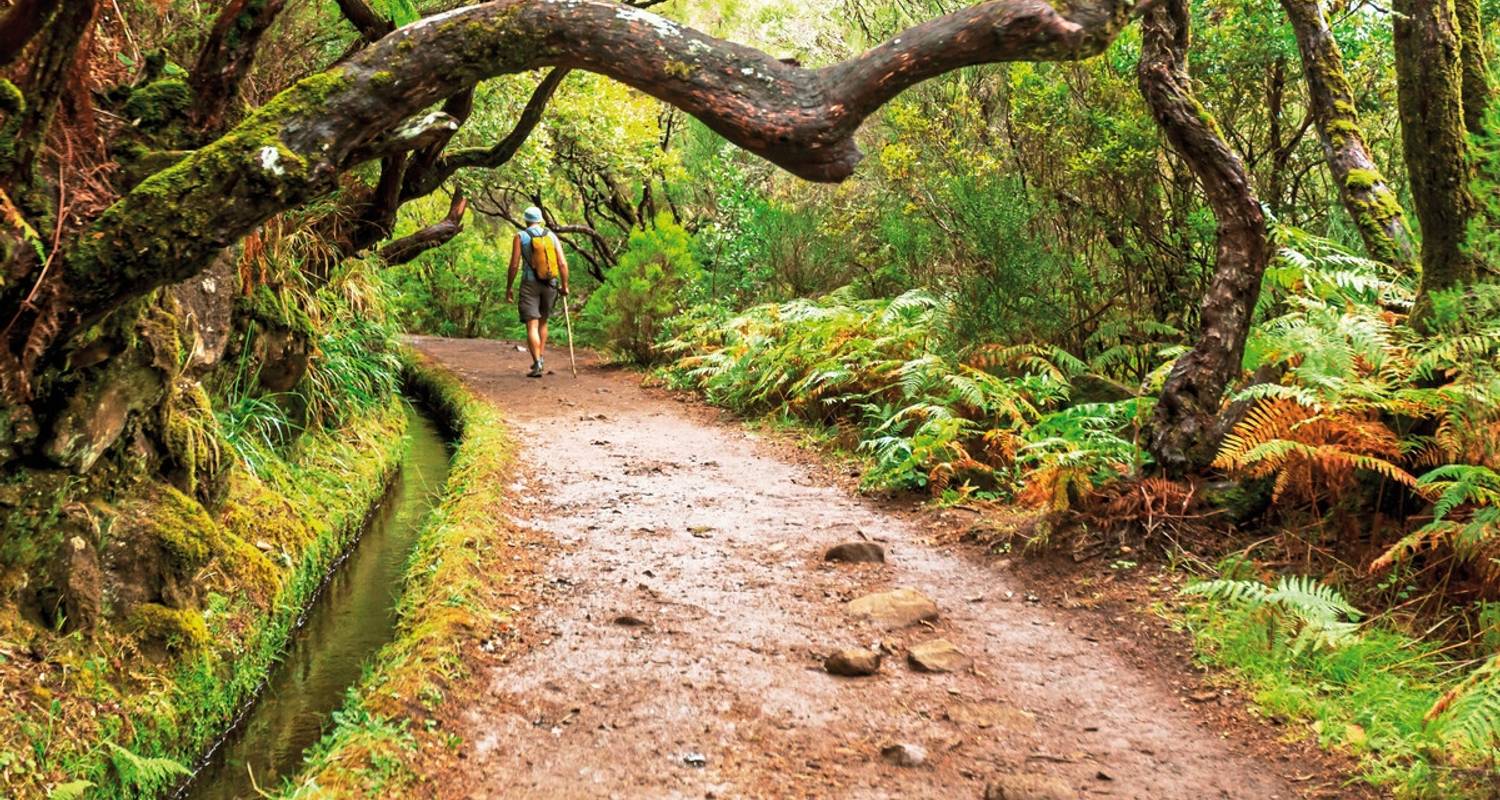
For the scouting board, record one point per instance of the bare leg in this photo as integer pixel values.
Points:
(543, 337)
(535, 336)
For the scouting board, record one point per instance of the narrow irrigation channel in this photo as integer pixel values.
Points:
(353, 616)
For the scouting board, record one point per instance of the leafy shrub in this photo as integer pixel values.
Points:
(643, 290)
(457, 289)
(1361, 393)
(929, 415)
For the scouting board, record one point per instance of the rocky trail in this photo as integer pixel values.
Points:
(684, 645)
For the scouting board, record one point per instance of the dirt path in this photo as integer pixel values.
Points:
(716, 544)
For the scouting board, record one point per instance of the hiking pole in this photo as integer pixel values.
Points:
(568, 320)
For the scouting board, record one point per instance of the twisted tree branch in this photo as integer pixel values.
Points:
(435, 235)
(292, 150)
(444, 165)
(371, 26)
(226, 58)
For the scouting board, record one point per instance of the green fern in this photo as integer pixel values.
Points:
(1316, 615)
(145, 774)
(72, 790)
(1470, 712)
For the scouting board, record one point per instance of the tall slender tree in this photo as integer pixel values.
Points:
(1185, 430)
(1430, 95)
(1364, 191)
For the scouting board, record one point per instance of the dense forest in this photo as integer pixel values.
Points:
(1210, 284)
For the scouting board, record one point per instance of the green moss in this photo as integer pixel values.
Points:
(191, 434)
(384, 78)
(270, 308)
(1346, 109)
(179, 630)
(678, 69)
(1380, 205)
(159, 104)
(183, 528)
(1362, 180)
(12, 101)
(168, 219)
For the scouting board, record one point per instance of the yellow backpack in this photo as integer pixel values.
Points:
(543, 254)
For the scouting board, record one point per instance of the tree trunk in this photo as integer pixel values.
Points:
(43, 89)
(227, 57)
(1365, 193)
(23, 21)
(1184, 432)
(371, 26)
(1429, 84)
(1476, 66)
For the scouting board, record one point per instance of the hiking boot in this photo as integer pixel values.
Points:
(536, 369)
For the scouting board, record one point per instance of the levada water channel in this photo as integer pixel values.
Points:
(351, 618)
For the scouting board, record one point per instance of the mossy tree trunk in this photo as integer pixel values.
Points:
(1185, 429)
(1430, 89)
(1473, 46)
(1364, 191)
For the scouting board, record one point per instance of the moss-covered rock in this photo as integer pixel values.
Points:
(159, 105)
(190, 436)
(177, 630)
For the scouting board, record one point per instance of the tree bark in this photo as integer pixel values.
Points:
(1429, 89)
(371, 26)
(1364, 191)
(43, 91)
(226, 58)
(1184, 432)
(435, 235)
(444, 165)
(292, 150)
(1476, 67)
(24, 21)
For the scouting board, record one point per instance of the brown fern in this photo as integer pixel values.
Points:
(1311, 454)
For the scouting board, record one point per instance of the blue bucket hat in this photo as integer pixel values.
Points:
(532, 214)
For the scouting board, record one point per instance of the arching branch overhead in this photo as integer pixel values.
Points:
(292, 149)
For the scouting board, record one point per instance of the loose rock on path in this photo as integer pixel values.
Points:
(665, 516)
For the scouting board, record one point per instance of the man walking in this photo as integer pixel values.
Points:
(539, 255)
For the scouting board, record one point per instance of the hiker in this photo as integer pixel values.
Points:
(539, 255)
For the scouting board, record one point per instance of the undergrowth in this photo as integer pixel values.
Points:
(120, 713)
(1357, 439)
(1367, 688)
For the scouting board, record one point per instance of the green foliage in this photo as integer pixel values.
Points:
(1469, 714)
(1315, 615)
(254, 427)
(1367, 690)
(648, 286)
(354, 366)
(145, 775)
(457, 289)
(925, 417)
(72, 790)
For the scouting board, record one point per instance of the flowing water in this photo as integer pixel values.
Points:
(352, 617)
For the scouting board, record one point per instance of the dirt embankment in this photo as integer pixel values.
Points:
(679, 647)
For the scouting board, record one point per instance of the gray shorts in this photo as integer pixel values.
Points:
(536, 300)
